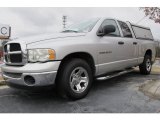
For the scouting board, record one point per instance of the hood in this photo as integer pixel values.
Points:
(38, 38)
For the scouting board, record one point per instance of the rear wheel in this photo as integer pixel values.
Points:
(74, 79)
(146, 66)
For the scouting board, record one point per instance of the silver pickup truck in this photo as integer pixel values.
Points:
(74, 57)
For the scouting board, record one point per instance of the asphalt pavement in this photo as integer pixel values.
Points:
(116, 95)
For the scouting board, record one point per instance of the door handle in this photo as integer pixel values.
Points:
(134, 43)
(120, 42)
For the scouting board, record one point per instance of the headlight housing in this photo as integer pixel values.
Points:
(41, 55)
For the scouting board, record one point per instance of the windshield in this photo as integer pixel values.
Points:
(85, 26)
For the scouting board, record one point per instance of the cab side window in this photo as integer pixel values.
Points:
(125, 29)
(111, 22)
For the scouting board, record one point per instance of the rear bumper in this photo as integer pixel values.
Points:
(42, 74)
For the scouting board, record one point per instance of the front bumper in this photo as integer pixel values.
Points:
(42, 74)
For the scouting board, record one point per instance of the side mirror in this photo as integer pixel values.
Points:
(106, 30)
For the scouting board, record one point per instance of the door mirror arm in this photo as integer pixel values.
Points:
(100, 34)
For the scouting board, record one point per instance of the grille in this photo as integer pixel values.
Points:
(13, 53)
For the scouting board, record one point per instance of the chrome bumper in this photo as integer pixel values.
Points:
(43, 74)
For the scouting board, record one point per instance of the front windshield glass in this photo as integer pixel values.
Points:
(85, 26)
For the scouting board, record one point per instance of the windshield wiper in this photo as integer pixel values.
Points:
(70, 31)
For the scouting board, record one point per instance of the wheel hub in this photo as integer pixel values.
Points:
(79, 80)
(148, 65)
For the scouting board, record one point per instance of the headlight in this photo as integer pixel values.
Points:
(41, 55)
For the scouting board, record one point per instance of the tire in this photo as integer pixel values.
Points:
(146, 66)
(74, 79)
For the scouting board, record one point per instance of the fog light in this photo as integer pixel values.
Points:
(29, 80)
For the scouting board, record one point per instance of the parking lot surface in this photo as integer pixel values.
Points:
(116, 95)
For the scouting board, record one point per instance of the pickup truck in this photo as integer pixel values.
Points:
(73, 58)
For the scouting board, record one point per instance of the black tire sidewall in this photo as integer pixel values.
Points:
(143, 67)
(67, 70)
(148, 57)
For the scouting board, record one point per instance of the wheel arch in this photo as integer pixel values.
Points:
(82, 55)
(149, 52)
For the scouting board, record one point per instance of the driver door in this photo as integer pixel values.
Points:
(112, 52)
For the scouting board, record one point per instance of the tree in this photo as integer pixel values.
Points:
(152, 12)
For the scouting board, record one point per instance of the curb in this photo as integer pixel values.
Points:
(2, 82)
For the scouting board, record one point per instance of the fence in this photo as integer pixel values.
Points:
(157, 49)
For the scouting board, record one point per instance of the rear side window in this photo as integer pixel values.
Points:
(111, 22)
(125, 29)
(142, 33)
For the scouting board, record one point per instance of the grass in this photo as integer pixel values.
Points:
(155, 70)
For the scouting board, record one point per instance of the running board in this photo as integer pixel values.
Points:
(115, 74)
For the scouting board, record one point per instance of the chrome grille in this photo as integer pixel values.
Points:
(13, 54)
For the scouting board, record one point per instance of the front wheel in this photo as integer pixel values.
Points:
(75, 79)
(146, 66)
